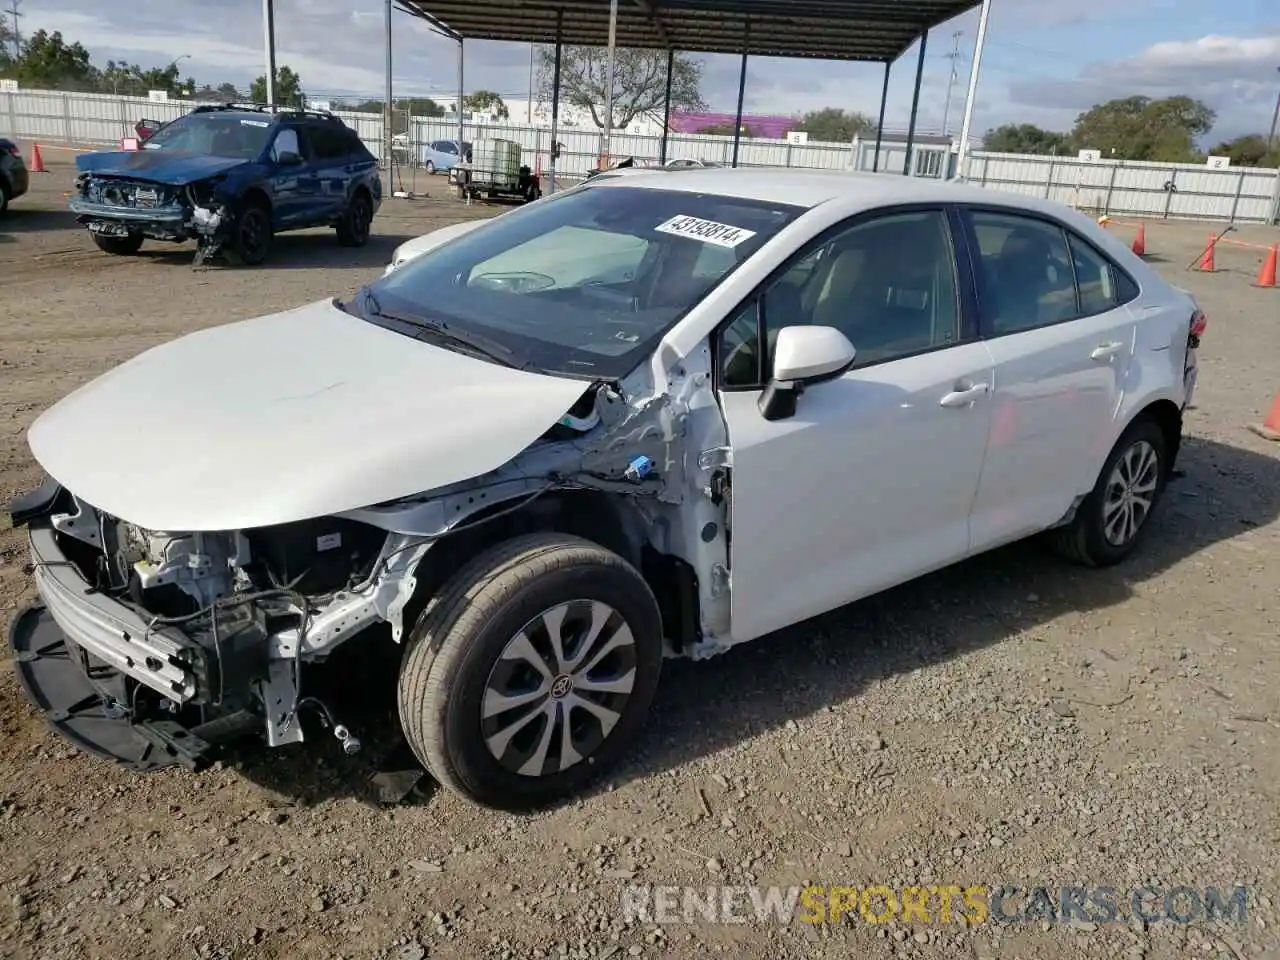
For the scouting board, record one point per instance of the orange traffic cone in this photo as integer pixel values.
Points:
(1269, 429)
(1267, 275)
(1140, 241)
(37, 161)
(1206, 264)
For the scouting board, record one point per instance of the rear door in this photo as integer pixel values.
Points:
(1051, 313)
(332, 156)
(289, 182)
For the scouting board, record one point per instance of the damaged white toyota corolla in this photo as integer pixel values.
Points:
(622, 423)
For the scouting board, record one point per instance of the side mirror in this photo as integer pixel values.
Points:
(803, 355)
(289, 159)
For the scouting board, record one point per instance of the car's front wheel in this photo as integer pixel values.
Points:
(353, 228)
(251, 236)
(124, 246)
(4, 198)
(429, 167)
(531, 671)
(1110, 520)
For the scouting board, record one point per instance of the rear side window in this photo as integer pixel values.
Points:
(328, 142)
(1025, 274)
(1095, 278)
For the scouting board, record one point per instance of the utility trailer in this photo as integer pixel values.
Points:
(495, 171)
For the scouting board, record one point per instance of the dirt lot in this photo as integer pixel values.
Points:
(1009, 721)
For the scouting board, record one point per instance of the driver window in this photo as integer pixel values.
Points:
(888, 284)
(286, 142)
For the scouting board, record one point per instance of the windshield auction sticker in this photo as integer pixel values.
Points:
(708, 231)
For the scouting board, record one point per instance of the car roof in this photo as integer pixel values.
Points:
(809, 188)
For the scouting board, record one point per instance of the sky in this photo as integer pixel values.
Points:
(1045, 61)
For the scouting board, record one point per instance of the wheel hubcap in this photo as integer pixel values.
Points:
(1131, 490)
(559, 688)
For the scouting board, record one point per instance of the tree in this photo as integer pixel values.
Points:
(288, 87)
(833, 125)
(1249, 151)
(49, 61)
(1025, 138)
(7, 44)
(639, 81)
(129, 79)
(486, 101)
(1139, 128)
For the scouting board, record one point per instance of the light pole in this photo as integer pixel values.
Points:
(1271, 137)
(173, 66)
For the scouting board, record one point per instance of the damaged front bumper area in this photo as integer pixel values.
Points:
(158, 212)
(123, 681)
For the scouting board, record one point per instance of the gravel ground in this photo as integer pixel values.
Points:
(1011, 720)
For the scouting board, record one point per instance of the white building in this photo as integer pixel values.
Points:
(523, 112)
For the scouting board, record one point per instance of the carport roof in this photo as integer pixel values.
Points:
(868, 30)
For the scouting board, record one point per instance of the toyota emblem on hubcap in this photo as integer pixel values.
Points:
(561, 686)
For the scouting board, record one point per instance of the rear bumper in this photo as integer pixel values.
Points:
(160, 657)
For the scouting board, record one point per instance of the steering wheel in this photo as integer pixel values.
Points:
(514, 282)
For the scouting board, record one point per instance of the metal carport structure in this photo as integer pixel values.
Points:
(875, 31)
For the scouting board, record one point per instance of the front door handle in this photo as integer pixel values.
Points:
(1106, 351)
(965, 394)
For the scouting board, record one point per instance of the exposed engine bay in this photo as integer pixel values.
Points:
(230, 618)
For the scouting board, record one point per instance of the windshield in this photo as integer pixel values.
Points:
(585, 283)
(234, 136)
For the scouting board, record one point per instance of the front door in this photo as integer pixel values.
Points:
(1061, 342)
(871, 481)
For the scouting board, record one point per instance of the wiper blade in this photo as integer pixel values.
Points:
(438, 331)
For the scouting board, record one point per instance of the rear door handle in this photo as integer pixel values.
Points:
(1106, 351)
(965, 394)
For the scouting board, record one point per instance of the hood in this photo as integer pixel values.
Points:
(170, 167)
(294, 415)
(429, 241)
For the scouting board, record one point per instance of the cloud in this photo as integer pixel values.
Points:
(1237, 76)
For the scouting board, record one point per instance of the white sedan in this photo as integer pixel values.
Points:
(654, 417)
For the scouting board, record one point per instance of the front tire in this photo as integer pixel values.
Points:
(429, 167)
(125, 246)
(1109, 521)
(251, 240)
(531, 671)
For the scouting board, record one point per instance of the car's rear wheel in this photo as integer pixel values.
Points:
(251, 236)
(124, 246)
(353, 228)
(1109, 521)
(532, 671)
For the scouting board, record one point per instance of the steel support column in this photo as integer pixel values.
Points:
(666, 107)
(884, 100)
(606, 145)
(555, 107)
(461, 87)
(962, 151)
(742, 92)
(388, 112)
(915, 104)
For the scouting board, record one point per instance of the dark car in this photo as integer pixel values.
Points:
(230, 177)
(13, 173)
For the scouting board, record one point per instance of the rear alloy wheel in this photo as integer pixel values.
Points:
(353, 228)
(1111, 518)
(532, 672)
(124, 246)
(251, 237)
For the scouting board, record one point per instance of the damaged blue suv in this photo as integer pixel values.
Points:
(230, 177)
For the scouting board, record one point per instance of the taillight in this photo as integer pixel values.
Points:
(1198, 323)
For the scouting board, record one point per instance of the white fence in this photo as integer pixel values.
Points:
(1240, 194)
(1132, 188)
